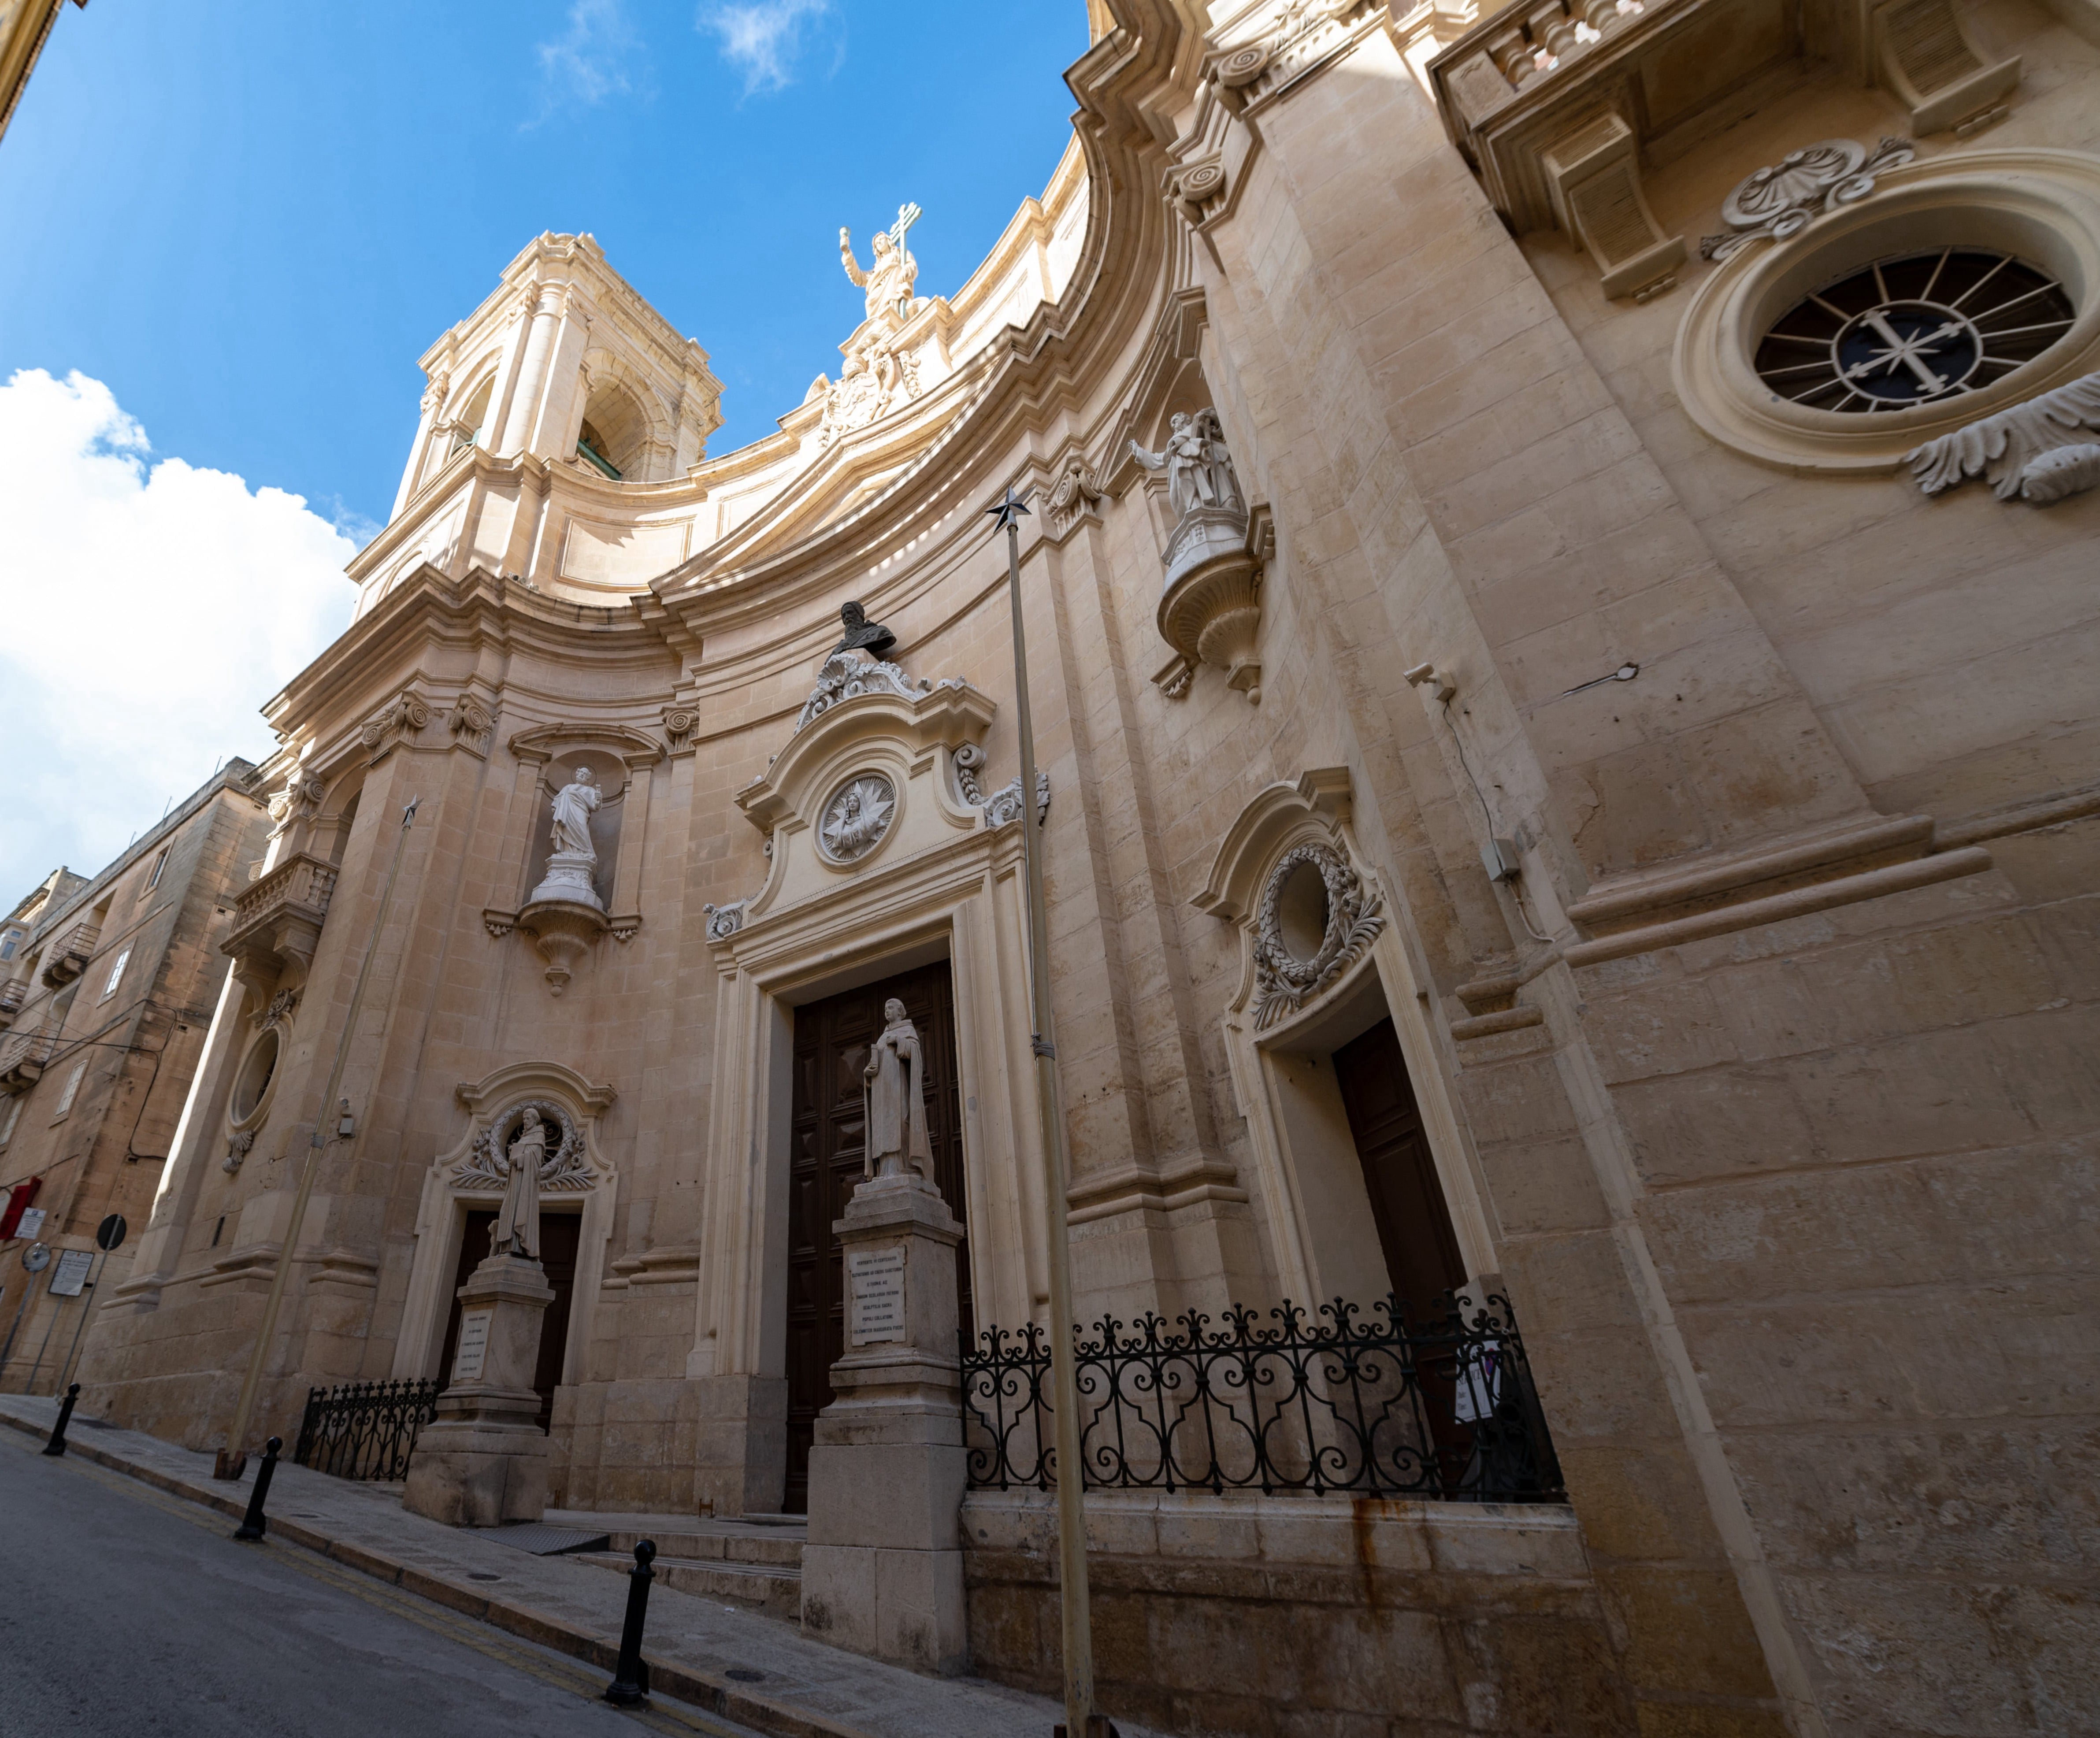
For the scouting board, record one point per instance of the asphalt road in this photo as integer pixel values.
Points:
(125, 1613)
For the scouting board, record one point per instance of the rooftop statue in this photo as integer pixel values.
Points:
(892, 272)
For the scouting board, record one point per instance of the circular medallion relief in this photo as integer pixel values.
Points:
(856, 818)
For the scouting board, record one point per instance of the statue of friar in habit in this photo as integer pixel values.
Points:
(517, 1226)
(896, 1077)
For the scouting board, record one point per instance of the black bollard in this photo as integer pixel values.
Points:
(630, 1682)
(56, 1445)
(255, 1523)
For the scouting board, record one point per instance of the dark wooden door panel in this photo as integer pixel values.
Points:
(1400, 1175)
(826, 1141)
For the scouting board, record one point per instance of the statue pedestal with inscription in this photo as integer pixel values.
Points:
(882, 1572)
(482, 1461)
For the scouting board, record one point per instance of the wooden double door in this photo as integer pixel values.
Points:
(828, 1137)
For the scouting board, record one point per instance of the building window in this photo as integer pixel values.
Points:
(160, 863)
(1912, 329)
(8, 1122)
(116, 975)
(9, 941)
(72, 1090)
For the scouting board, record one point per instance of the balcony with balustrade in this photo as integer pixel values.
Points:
(68, 957)
(23, 1057)
(277, 922)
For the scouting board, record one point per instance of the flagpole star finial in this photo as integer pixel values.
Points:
(1010, 509)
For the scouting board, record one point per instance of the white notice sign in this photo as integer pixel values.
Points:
(70, 1274)
(472, 1345)
(878, 1295)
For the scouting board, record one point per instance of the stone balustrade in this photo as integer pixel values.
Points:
(277, 922)
(12, 996)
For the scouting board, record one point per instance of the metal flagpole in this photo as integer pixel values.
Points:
(1071, 1513)
(232, 1457)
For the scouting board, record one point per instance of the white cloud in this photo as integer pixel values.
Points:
(589, 61)
(761, 40)
(145, 611)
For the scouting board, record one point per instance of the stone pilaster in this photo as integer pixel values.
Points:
(482, 1461)
(883, 1571)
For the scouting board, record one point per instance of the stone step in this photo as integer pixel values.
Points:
(775, 1547)
(773, 1587)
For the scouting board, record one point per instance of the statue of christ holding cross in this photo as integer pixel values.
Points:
(892, 272)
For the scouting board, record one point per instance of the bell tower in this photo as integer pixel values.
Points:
(567, 363)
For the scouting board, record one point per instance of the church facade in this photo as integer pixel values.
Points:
(1558, 594)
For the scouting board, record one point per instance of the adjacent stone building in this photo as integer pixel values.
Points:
(108, 987)
(1559, 595)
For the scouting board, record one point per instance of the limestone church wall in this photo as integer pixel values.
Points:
(1742, 997)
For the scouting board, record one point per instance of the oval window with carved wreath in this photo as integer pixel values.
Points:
(1949, 290)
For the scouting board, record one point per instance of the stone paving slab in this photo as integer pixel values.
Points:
(808, 1689)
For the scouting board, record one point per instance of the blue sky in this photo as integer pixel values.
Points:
(241, 222)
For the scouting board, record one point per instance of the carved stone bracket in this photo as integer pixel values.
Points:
(1784, 198)
(471, 723)
(299, 800)
(1211, 613)
(682, 724)
(2030, 451)
(1923, 53)
(1076, 495)
(1592, 178)
(564, 930)
(725, 920)
(238, 1145)
(499, 924)
(1294, 40)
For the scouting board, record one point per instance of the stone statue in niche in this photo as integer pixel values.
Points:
(896, 1078)
(862, 634)
(892, 271)
(573, 856)
(1199, 465)
(518, 1225)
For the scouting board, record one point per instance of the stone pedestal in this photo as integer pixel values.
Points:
(882, 1572)
(482, 1460)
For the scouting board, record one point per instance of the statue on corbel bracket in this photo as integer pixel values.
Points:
(564, 914)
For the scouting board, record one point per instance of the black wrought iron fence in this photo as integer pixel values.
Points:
(365, 1429)
(1330, 1402)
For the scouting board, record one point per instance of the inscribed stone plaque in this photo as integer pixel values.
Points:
(472, 1345)
(70, 1274)
(878, 1295)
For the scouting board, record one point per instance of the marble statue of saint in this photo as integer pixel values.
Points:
(1197, 463)
(891, 273)
(863, 635)
(896, 1077)
(517, 1226)
(574, 805)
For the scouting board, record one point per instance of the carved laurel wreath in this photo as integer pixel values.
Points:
(1284, 983)
(487, 1163)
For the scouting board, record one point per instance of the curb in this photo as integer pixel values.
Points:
(697, 1689)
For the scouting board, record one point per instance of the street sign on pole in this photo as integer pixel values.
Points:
(110, 1233)
(69, 1278)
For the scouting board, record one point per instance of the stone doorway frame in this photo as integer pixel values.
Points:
(446, 1200)
(948, 885)
(1305, 1155)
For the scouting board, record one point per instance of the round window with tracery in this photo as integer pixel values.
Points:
(1912, 330)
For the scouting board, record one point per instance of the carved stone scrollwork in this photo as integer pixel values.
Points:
(681, 723)
(725, 920)
(1303, 944)
(1003, 804)
(471, 722)
(486, 1165)
(238, 1145)
(299, 800)
(1298, 35)
(846, 675)
(279, 1010)
(405, 716)
(1782, 200)
(1076, 493)
(2030, 451)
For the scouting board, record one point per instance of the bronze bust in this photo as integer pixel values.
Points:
(863, 635)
